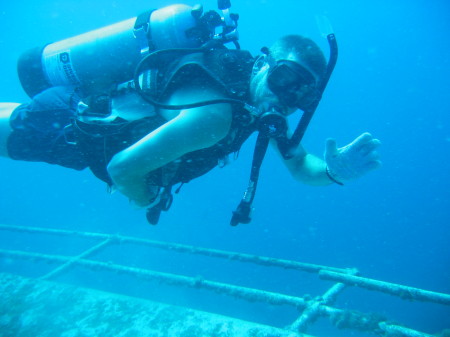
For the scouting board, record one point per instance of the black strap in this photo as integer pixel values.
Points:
(143, 19)
(270, 125)
(242, 213)
(142, 31)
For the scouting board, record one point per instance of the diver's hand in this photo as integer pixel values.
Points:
(353, 160)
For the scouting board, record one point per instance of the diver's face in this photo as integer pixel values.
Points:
(286, 84)
(263, 98)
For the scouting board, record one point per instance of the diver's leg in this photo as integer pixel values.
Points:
(40, 129)
(6, 110)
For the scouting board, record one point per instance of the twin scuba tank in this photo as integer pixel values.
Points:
(99, 60)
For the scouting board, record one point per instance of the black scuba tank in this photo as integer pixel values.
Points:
(99, 59)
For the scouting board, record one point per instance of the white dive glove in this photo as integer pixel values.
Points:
(353, 160)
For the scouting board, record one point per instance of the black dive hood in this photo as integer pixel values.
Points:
(273, 125)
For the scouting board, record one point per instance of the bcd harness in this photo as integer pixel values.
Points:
(231, 70)
(228, 69)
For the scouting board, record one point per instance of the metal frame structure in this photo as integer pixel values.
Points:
(310, 309)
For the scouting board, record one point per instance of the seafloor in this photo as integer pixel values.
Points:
(30, 308)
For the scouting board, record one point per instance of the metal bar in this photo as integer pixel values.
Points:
(314, 308)
(400, 331)
(53, 231)
(247, 258)
(71, 261)
(248, 294)
(391, 330)
(402, 291)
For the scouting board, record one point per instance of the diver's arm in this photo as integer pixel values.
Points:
(190, 130)
(340, 165)
(307, 168)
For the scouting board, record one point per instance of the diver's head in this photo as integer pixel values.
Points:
(288, 74)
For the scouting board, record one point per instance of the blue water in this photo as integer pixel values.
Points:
(392, 79)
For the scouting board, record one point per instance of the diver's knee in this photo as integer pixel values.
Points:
(6, 110)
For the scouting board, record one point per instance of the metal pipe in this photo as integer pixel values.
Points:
(402, 291)
(248, 294)
(71, 261)
(247, 258)
(400, 331)
(314, 308)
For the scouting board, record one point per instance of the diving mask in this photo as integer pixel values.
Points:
(293, 84)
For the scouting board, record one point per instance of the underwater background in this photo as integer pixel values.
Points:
(392, 79)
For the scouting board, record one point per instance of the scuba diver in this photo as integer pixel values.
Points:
(171, 102)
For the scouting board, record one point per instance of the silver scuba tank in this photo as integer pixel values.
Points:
(97, 60)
